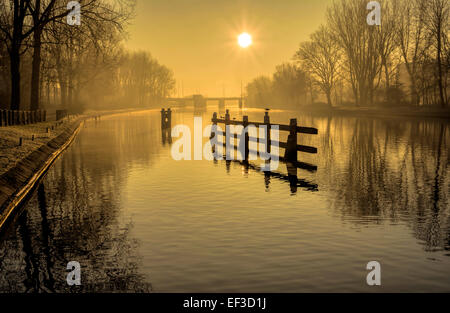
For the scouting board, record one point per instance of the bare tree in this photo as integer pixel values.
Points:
(140, 77)
(412, 40)
(13, 14)
(96, 14)
(437, 23)
(321, 56)
(387, 44)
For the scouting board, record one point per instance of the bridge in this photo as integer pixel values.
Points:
(200, 101)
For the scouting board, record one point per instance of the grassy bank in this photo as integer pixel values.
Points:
(24, 162)
(11, 152)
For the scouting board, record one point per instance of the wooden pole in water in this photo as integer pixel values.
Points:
(227, 117)
(214, 125)
(169, 118)
(291, 150)
(268, 139)
(246, 137)
(163, 119)
(228, 134)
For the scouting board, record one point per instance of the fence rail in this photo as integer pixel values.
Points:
(291, 147)
(300, 129)
(12, 118)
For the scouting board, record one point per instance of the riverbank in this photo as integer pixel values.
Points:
(399, 112)
(27, 151)
(11, 152)
(22, 175)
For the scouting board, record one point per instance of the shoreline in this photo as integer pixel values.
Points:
(20, 177)
(20, 180)
(403, 112)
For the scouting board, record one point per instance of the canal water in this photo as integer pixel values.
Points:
(139, 221)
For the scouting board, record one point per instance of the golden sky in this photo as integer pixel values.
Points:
(197, 39)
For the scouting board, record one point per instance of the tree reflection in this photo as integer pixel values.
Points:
(74, 217)
(392, 169)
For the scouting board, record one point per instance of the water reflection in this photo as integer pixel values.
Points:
(166, 137)
(392, 171)
(121, 206)
(291, 176)
(74, 216)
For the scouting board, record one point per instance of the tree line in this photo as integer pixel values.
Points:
(403, 61)
(48, 61)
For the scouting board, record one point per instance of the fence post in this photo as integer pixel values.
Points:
(291, 150)
(246, 137)
(268, 139)
(213, 132)
(169, 118)
(227, 117)
(214, 125)
(227, 135)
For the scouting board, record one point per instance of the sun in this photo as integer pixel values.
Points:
(244, 40)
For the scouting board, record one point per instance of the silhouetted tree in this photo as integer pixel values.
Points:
(321, 56)
(437, 22)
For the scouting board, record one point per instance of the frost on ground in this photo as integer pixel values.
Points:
(10, 150)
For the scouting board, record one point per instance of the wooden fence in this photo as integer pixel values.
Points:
(11, 118)
(291, 147)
